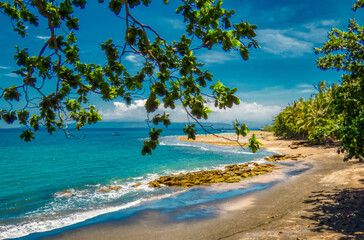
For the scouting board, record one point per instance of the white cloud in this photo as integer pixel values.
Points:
(135, 59)
(122, 107)
(277, 42)
(5, 68)
(303, 85)
(12, 75)
(329, 22)
(123, 112)
(278, 95)
(306, 88)
(43, 37)
(175, 23)
(136, 112)
(309, 90)
(253, 113)
(294, 42)
(217, 57)
(312, 32)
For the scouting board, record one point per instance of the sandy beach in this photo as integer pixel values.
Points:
(315, 197)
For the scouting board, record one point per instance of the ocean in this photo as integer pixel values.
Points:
(57, 183)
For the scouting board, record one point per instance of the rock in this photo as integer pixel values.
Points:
(231, 174)
(137, 184)
(154, 184)
(109, 189)
(293, 146)
(245, 175)
(65, 193)
(280, 157)
(114, 188)
(104, 190)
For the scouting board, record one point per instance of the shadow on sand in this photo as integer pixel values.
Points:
(339, 211)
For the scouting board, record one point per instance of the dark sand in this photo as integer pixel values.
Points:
(324, 202)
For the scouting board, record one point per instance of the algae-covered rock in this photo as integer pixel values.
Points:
(137, 184)
(104, 190)
(280, 157)
(109, 189)
(114, 188)
(65, 193)
(231, 174)
(245, 175)
(154, 184)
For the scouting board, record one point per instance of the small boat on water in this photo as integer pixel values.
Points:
(116, 134)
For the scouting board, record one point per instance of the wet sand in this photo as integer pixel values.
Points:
(323, 202)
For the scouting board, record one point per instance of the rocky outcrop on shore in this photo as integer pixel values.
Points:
(280, 157)
(231, 174)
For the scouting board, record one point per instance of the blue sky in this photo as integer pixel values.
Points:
(282, 70)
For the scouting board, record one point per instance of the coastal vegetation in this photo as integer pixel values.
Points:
(268, 128)
(170, 74)
(337, 111)
(313, 119)
(344, 51)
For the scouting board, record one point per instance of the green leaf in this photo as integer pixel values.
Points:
(27, 135)
(254, 144)
(11, 93)
(8, 117)
(71, 38)
(244, 52)
(80, 3)
(190, 130)
(23, 116)
(152, 103)
(115, 6)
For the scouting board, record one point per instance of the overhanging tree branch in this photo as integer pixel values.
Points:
(169, 73)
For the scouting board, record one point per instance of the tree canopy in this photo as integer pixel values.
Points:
(313, 119)
(336, 111)
(170, 74)
(345, 51)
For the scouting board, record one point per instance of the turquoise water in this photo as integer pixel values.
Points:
(33, 175)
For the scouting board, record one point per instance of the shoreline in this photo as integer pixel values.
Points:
(288, 209)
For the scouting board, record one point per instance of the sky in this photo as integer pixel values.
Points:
(281, 71)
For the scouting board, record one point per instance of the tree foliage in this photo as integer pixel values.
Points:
(268, 128)
(337, 111)
(313, 119)
(170, 75)
(345, 51)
